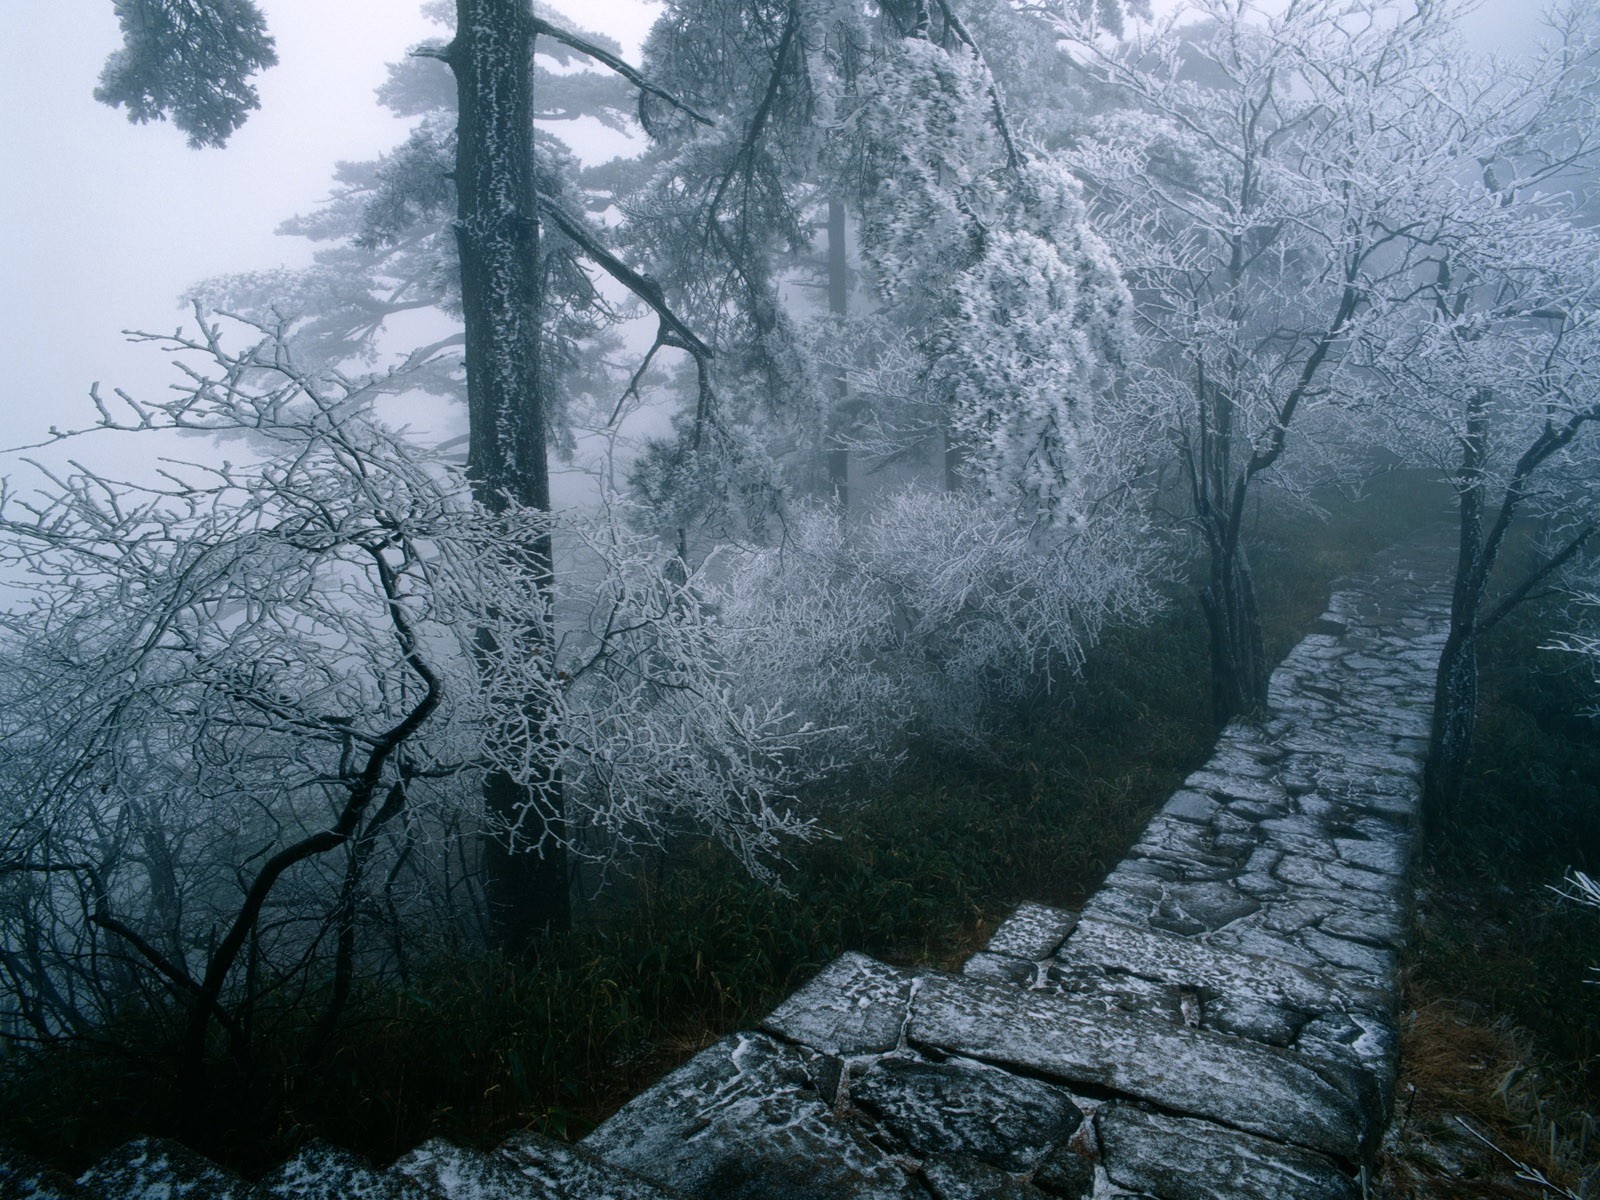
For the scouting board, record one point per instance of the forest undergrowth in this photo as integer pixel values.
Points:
(686, 947)
(1502, 1022)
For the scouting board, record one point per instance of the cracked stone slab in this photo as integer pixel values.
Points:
(1354, 956)
(22, 1178)
(573, 1171)
(1368, 1040)
(1390, 857)
(1001, 968)
(1178, 1159)
(1242, 1084)
(742, 1120)
(1182, 842)
(967, 1109)
(1114, 991)
(323, 1172)
(1192, 964)
(1265, 946)
(854, 1005)
(1299, 870)
(1032, 931)
(1194, 908)
(1238, 787)
(1194, 807)
(443, 1169)
(1259, 1022)
(951, 1178)
(157, 1167)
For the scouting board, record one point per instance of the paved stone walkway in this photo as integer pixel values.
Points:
(1217, 1023)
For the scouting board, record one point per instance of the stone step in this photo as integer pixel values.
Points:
(156, 1167)
(454, 1172)
(752, 1118)
(578, 1174)
(1184, 1070)
(23, 1178)
(323, 1172)
(1162, 1155)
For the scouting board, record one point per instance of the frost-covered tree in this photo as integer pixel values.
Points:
(252, 706)
(191, 60)
(982, 259)
(503, 289)
(386, 255)
(932, 618)
(888, 119)
(1493, 376)
(1249, 179)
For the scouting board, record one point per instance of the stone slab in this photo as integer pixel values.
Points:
(949, 1178)
(1178, 1159)
(1187, 963)
(157, 1167)
(323, 1172)
(573, 1171)
(453, 1172)
(1033, 931)
(22, 1178)
(854, 1005)
(967, 1109)
(743, 1120)
(1242, 1084)
(999, 968)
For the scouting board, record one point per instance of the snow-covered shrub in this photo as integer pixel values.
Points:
(253, 702)
(917, 619)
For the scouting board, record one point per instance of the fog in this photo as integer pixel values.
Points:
(109, 222)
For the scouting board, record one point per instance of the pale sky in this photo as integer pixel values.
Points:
(106, 223)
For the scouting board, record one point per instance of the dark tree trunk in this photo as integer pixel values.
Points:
(1455, 688)
(839, 306)
(497, 237)
(1239, 670)
(1455, 714)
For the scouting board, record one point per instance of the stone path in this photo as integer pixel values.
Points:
(1217, 1023)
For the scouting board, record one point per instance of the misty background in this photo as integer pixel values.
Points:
(108, 223)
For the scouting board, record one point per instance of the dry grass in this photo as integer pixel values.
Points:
(1479, 1112)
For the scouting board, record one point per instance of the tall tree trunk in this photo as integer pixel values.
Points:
(1239, 670)
(839, 306)
(1455, 688)
(1455, 714)
(497, 238)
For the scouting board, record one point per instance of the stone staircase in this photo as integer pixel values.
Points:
(1217, 1023)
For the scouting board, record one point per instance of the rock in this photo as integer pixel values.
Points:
(1193, 1071)
(1259, 1022)
(571, 1171)
(963, 1179)
(453, 1172)
(1195, 807)
(1178, 1159)
(1208, 968)
(966, 1109)
(1068, 1172)
(854, 1005)
(323, 1172)
(1113, 991)
(155, 1167)
(1190, 908)
(997, 968)
(22, 1178)
(1033, 931)
(743, 1121)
